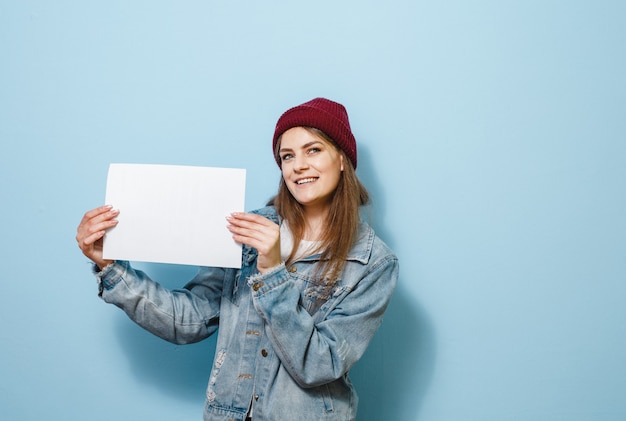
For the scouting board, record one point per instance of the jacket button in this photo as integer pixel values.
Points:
(293, 268)
(264, 352)
(257, 285)
(256, 397)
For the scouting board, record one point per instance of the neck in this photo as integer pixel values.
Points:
(314, 223)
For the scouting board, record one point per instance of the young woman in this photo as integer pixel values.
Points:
(311, 292)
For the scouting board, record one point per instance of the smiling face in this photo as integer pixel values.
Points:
(311, 167)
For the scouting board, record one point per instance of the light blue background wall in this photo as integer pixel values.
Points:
(492, 138)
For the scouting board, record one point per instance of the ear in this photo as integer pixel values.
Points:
(341, 158)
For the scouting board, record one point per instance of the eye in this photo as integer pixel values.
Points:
(313, 150)
(286, 157)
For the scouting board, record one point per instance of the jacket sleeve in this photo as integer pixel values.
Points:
(318, 353)
(180, 316)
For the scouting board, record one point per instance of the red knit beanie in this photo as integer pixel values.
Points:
(323, 114)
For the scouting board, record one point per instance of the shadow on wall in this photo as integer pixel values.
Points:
(394, 374)
(179, 371)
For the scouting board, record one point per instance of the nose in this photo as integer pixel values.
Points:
(301, 163)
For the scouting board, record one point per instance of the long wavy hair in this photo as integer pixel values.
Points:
(342, 220)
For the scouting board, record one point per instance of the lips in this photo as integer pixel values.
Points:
(306, 180)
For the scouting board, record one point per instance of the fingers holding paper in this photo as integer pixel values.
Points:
(91, 230)
(260, 233)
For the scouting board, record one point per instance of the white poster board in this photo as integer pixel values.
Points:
(174, 214)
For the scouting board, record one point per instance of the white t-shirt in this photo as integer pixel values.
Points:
(306, 247)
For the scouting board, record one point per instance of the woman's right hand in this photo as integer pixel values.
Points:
(91, 230)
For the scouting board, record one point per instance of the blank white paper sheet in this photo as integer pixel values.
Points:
(174, 214)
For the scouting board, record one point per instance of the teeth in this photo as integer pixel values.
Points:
(305, 180)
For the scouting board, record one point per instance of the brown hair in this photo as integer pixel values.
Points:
(342, 221)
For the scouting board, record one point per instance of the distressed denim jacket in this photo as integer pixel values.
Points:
(285, 343)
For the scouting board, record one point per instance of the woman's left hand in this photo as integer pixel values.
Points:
(260, 233)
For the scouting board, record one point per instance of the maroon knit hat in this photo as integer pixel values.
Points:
(325, 115)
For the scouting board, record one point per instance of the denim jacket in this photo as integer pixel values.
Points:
(285, 344)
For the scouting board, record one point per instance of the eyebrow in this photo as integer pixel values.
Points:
(306, 145)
